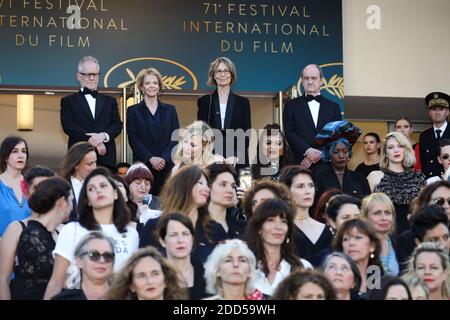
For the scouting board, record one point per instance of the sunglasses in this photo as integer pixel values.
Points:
(95, 256)
(441, 201)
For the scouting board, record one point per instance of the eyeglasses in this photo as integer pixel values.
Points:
(95, 256)
(445, 156)
(88, 75)
(441, 201)
(225, 71)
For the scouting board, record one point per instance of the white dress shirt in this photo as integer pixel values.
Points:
(223, 110)
(444, 126)
(314, 108)
(91, 102)
(76, 186)
(267, 288)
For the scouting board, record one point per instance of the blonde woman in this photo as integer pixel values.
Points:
(195, 146)
(396, 178)
(429, 262)
(150, 126)
(379, 210)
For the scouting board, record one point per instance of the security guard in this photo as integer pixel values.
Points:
(438, 111)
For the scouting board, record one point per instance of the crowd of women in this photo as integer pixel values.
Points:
(195, 230)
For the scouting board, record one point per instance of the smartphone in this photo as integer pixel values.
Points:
(245, 178)
(147, 198)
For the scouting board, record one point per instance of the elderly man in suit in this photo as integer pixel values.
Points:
(91, 116)
(438, 111)
(306, 115)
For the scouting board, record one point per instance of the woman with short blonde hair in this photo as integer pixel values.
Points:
(396, 177)
(379, 210)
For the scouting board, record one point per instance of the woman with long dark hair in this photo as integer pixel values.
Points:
(101, 207)
(269, 235)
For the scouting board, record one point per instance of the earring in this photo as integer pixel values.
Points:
(372, 255)
(287, 240)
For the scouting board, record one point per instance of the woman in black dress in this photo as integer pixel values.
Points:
(310, 236)
(372, 145)
(52, 203)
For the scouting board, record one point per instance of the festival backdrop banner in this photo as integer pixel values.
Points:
(269, 41)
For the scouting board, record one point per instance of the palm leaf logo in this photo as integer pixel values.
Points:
(171, 82)
(130, 82)
(334, 86)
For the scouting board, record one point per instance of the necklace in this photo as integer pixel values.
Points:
(385, 260)
(301, 219)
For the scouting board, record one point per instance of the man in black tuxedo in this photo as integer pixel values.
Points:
(438, 111)
(91, 116)
(305, 116)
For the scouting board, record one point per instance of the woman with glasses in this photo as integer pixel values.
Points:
(147, 276)
(150, 126)
(396, 178)
(310, 236)
(95, 259)
(140, 181)
(224, 109)
(437, 193)
(51, 204)
(443, 158)
(101, 207)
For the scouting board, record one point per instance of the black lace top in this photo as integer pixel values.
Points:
(401, 187)
(35, 262)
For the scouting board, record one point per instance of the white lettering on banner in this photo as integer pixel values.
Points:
(374, 19)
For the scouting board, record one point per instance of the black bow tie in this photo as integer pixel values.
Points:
(86, 91)
(310, 98)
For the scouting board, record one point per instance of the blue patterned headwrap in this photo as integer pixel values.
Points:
(337, 132)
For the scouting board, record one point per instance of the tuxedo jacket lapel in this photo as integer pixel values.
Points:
(99, 105)
(320, 121)
(307, 114)
(84, 105)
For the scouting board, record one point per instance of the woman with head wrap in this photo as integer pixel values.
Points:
(336, 139)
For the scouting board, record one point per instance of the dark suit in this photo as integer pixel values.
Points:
(354, 183)
(77, 120)
(299, 126)
(237, 116)
(429, 151)
(151, 136)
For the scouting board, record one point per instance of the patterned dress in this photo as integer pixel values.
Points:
(402, 188)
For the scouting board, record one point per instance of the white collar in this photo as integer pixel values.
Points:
(444, 126)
